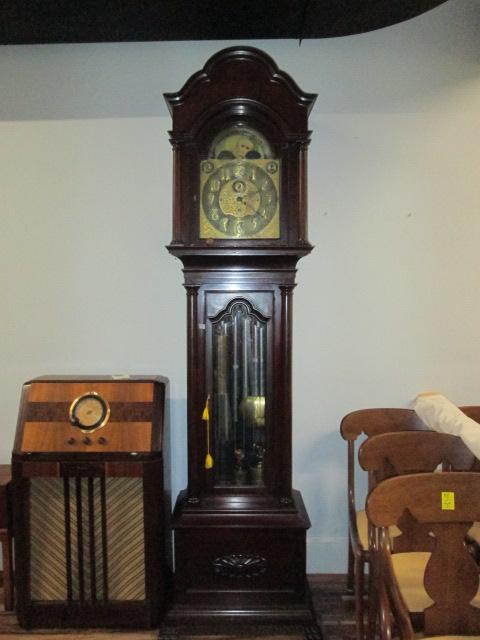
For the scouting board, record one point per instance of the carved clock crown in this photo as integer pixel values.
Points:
(240, 132)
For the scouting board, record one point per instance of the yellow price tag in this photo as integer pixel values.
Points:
(448, 501)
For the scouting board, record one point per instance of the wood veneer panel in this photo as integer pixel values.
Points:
(54, 436)
(40, 470)
(60, 411)
(111, 391)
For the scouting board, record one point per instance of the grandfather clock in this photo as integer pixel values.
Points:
(240, 138)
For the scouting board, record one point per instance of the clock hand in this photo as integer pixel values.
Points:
(247, 200)
(246, 204)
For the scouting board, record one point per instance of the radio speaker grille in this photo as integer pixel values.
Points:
(87, 539)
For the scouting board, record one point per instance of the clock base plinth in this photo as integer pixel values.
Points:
(225, 614)
(246, 565)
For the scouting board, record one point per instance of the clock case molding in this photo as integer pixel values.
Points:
(240, 551)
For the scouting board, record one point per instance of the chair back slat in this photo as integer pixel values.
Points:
(382, 420)
(405, 452)
(446, 503)
(374, 421)
(472, 412)
(391, 454)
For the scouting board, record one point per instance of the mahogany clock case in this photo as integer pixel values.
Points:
(240, 550)
(91, 505)
(240, 528)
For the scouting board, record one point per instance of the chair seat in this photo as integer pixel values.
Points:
(362, 528)
(409, 569)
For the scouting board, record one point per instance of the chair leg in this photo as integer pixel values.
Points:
(384, 614)
(359, 604)
(351, 568)
(6, 543)
(372, 611)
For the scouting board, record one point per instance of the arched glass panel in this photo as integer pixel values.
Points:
(239, 366)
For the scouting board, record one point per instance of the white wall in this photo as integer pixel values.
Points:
(387, 303)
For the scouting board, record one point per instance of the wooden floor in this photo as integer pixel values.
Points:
(334, 607)
(88, 635)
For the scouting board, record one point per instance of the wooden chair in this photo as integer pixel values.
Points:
(473, 535)
(368, 422)
(446, 504)
(391, 454)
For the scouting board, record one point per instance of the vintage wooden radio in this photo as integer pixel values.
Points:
(91, 502)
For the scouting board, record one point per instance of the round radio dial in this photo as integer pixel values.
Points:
(89, 412)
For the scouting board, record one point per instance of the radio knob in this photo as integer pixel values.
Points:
(102, 440)
(86, 440)
(71, 441)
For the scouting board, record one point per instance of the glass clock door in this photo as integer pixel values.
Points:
(239, 340)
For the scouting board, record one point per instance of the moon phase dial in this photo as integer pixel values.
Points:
(239, 199)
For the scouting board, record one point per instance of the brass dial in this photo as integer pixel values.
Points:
(239, 199)
(89, 411)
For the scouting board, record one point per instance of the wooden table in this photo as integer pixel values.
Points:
(6, 535)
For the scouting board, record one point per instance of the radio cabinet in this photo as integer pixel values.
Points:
(91, 503)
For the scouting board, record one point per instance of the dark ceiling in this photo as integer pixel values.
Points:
(49, 21)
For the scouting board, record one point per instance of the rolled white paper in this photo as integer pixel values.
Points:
(440, 414)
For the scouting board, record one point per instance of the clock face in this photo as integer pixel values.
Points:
(239, 198)
(89, 412)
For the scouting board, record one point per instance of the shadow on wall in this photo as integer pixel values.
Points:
(321, 474)
(322, 478)
(178, 445)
